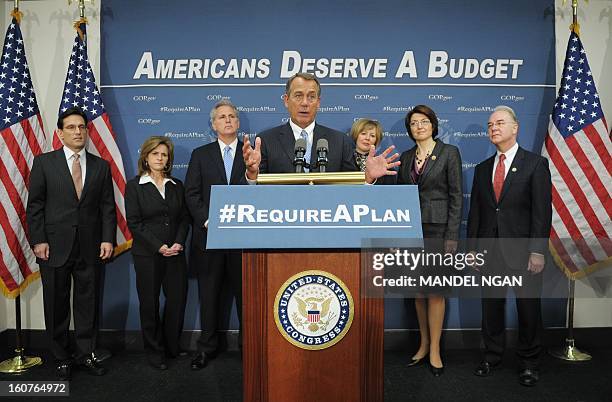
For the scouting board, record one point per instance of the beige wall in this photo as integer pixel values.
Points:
(48, 33)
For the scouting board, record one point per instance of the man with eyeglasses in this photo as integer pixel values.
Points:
(274, 148)
(72, 222)
(510, 215)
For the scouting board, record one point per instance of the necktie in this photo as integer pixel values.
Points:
(228, 162)
(498, 177)
(77, 177)
(304, 135)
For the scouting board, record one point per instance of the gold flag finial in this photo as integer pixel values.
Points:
(81, 6)
(82, 20)
(16, 13)
(575, 26)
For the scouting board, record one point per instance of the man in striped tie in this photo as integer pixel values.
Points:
(214, 163)
(510, 215)
(72, 222)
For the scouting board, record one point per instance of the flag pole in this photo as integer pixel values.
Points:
(570, 352)
(99, 354)
(19, 363)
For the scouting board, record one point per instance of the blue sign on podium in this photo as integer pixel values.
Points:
(305, 216)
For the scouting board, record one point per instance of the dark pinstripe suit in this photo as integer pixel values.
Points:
(74, 229)
(212, 266)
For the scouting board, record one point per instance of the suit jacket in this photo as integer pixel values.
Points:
(153, 220)
(206, 169)
(440, 186)
(277, 145)
(55, 215)
(522, 214)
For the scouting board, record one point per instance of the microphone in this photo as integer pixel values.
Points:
(299, 149)
(322, 149)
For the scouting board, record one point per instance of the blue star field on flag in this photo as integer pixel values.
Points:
(17, 98)
(577, 105)
(80, 88)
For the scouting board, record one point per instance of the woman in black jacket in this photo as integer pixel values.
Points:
(158, 219)
(436, 168)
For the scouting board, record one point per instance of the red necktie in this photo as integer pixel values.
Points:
(498, 178)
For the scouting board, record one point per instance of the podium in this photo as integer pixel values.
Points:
(276, 370)
(309, 331)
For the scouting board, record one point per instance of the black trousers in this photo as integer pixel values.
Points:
(213, 268)
(528, 305)
(56, 283)
(152, 274)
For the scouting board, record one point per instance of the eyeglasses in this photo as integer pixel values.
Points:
(423, 123)
(310, 98)
(74, 129)
(498, 123)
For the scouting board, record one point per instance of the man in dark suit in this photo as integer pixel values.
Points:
(214, 163)
(510, 214)
(72, 222)
(274, 148)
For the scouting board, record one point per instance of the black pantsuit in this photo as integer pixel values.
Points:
(152, 274)
(155, 221)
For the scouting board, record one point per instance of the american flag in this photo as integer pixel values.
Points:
(578, 146)
(23, 137)
(80, 90)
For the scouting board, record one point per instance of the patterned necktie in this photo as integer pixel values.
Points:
(77, 175)
(498, 177)
(228, 161)
(304, 135)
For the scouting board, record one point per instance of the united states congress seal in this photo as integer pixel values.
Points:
(313, 310)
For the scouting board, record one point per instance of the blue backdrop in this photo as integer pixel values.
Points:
(165, 64)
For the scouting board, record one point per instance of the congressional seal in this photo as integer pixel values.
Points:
(313, 310)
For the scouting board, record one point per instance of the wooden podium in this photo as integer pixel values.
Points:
(276, 370)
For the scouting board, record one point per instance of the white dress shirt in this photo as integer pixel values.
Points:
(145, 178)
(510, 154)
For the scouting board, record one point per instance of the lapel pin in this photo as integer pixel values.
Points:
(433, 157)
(514, 169)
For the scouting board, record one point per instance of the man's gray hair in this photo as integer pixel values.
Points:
(222, 102)
(507, 109)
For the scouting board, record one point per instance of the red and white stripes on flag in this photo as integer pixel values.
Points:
(21, 138)
(579, 148)
(80, 90)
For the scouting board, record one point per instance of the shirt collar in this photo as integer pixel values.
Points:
(297, 130)
(509, 153)
(233, 145)
(145, 178)
(69, 152)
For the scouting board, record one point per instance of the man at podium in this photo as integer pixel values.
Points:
(274, 150)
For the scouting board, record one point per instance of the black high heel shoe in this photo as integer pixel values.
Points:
(417, 362)
(436, 371)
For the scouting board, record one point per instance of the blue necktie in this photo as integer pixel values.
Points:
(304, 135)
(228, 162)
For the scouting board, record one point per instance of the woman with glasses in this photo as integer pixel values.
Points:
(158, 219)
(436, 168)
(365, 132)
